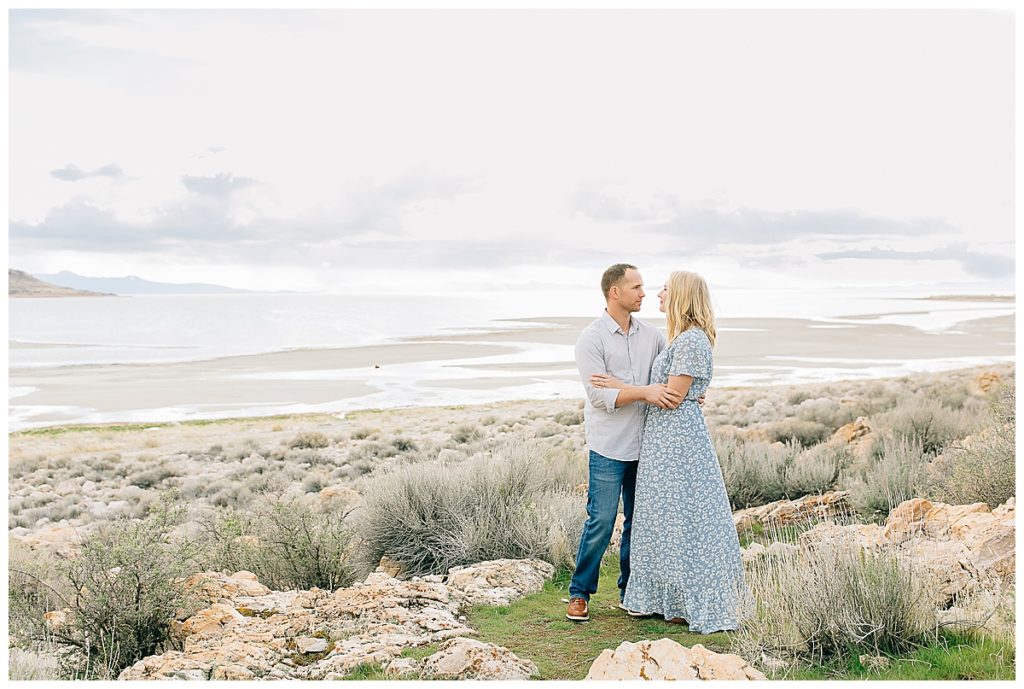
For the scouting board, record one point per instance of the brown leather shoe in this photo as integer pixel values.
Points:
(677, 620)
(578, 610)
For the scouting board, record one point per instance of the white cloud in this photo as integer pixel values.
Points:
(535, 136)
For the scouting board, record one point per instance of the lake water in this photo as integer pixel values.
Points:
(51, 339)
(60, 332)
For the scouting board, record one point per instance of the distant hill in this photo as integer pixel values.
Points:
(134, 285)
(21, 284)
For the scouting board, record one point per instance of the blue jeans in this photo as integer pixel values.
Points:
(609, 478)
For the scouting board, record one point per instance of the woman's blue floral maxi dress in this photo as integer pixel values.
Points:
(685, 555)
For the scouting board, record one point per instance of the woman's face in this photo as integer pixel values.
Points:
(661, 297)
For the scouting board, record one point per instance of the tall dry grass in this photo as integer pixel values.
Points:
(814, 605)
(434, 515)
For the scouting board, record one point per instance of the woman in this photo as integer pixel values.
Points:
(685, 557)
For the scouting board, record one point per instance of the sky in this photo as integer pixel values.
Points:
(408, 151)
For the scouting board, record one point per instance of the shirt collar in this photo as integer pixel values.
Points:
(613, 327)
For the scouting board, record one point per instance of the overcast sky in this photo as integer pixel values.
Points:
(356, 150)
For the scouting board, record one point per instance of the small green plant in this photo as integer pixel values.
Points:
(120, 591)
(288, 543)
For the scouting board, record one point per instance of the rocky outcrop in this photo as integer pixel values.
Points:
(853, 432)
(831, 505)
(776, 548)
(987, 381)
(962, 548)
(666, 659)
(248, 631)
(471, 659)
(498, 582)
(21, 284)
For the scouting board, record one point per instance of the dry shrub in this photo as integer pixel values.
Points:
(435, 515)
(981, 468)
(754, 472)
(288, 543)
(816, 469)
(801, 431)
(122, 588)
(309, 440)
(835, 601)
(924, 420)
(899, 474)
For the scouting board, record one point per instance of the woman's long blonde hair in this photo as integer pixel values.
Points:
(688, 305)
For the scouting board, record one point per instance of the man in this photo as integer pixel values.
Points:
(625, 347)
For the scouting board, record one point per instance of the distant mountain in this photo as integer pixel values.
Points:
(21, 284)
(134, 285)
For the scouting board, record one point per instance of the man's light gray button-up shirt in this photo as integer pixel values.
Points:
(603, 348)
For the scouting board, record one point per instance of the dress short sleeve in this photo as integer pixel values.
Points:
(691, 355)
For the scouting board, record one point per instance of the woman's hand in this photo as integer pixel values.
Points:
(603, 380)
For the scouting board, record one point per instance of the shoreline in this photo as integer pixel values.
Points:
(315, 418)
(516, 363)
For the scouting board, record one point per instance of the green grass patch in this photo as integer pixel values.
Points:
(133, 427)
(951, 657)
(535, 627)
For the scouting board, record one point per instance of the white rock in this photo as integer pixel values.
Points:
(310, 644)
(666, 659)
(499, 582)
(471, 659)
(400, 667)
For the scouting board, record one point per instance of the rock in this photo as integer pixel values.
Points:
(339, 495)
(987, 381)
(215, 587)
(826, 506)
(400, 667)
(868, 536)
(774, 549)
(390, 567)
(212, 620)
(906, 519)
(852, 432)
(872, 662)
(449, 455)
(666, 659)
(948, 565)
(960, 548)
(830, 505)
(499, 582)
(57, 619)
(234, 672)
(772, 663)
(752, 552)
(778, 549)
(310, 644)
(471, 659)
(170, 665)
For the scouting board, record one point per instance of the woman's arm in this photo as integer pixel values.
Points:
(681, 384)
(659, 395)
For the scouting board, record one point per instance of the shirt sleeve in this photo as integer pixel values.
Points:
(590, 360)
(691, 356)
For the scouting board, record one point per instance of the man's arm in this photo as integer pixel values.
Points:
(590, 360)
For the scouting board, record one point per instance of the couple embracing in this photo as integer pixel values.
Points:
(680, 556)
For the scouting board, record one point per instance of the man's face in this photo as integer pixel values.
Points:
(629, 291)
